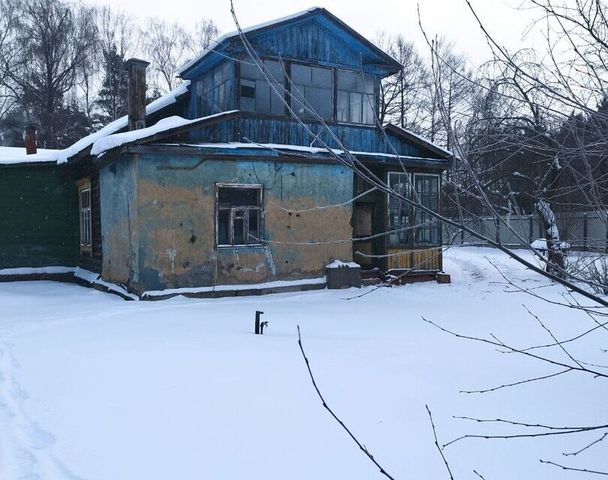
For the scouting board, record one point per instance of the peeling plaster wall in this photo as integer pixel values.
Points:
(118, 190)
(176, 221)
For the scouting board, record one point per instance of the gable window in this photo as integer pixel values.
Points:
(427, 191)
(84, 209)
(215, 91)
(356, 101)
(312, 91)
(239, 214)
(256, 93)
(399, 212)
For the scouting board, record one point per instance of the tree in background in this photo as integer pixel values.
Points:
(112, 97)
(54, 41)
(206, 34)
(167, 47)
(402, 94)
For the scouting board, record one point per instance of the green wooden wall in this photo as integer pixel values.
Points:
(38, 216)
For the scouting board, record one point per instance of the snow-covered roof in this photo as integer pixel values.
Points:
(113, 127)
(110, 142)
(16, 155)
(424, 142)
(295, 148)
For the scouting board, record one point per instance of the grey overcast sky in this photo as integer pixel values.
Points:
(450, 18)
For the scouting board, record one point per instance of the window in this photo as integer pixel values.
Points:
(239, 214)
(84, 208)
(427, 226)
(215, 91)
(356, 102)
(312, 91)
(399, 212)
(256, 93)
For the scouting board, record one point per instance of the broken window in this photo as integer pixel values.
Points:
(257, 95)
(215, 92)
(427, 191)
(84, 209)
(312, 91)
(399, 212)
(239, 215)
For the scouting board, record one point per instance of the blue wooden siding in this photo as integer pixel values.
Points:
(289, 132)
(309, 42)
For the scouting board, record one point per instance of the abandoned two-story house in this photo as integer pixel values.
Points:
(242, 175)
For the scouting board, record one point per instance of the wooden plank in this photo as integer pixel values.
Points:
(418, 259)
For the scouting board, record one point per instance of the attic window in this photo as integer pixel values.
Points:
(356, 100)
(215, 91)
(239, 214)
(257, 94)
(312, 90)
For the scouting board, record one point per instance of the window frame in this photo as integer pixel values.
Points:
(437, 225)
(412, 232)
(364, 97)
(85, 218)
(408, 223)
(295, 90)
(208, 89)
(271, 93)
(240, 209)
(290, 86)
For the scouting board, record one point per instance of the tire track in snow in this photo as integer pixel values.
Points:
(24, 446)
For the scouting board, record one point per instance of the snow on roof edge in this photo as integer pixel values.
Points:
(299, 148)
(18, 155)
(122, 122)
(110, 142)
(423, 140)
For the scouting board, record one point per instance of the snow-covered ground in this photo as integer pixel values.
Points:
(93, 387)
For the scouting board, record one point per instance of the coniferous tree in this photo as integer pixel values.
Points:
(112, 100)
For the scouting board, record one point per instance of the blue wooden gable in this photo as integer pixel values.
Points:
(315, 36)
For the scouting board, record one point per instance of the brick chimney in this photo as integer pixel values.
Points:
(136, 72)
(29, 136)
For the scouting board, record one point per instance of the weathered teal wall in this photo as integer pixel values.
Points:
(118, 187)
(176, 221)
(38, 216)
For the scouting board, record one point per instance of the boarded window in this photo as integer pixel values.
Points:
(356, 102)
(215, 90)
(312, 91)
(257, 94)
(362, 220)
(239, 215)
